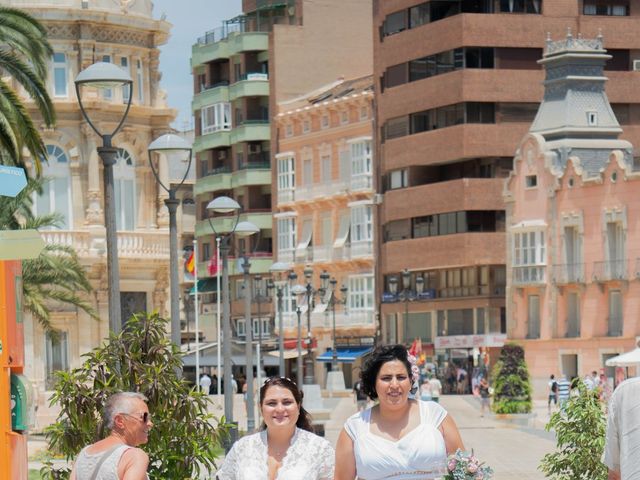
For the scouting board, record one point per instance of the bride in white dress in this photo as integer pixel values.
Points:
(285, 449)
(399, 438)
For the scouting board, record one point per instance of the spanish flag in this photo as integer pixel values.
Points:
(190, 264)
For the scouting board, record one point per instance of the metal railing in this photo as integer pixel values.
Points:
(218, 170)
(611, 270)
(251, 76)
(362, 182)
(529, 275)
(569, 273)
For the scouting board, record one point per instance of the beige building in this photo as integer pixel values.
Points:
(324, 196)
(82, 33)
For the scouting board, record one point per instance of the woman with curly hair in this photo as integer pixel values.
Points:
(398, 437)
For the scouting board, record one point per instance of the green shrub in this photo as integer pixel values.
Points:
(511, 387)
(184, 439)
(580, 427)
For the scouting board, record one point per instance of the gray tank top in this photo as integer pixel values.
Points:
(86, 464)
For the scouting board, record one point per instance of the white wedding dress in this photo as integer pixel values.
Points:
(309, 457)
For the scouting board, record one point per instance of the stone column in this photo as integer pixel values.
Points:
(94, 215)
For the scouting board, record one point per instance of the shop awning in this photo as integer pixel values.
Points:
(343, 231)
(205, 285)
(288, 354)
(345, 354)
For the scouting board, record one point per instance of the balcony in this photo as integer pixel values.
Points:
(251, 131)
(247, 177)
(135, 244)
(361, 182)
(261, 219)
(209, 141)
(529, 275)
(216, 93)
(361, 249)
(568, 273)
(216, 179)
(286, 196)
(318, 191)
(250, 85)
(322, 254)
(214, 46)
(609, 271)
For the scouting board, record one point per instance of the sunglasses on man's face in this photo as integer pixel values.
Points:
(142, 416)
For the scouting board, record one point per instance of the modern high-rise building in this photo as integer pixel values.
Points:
(274, 51)
(82, 33)
(457, 86)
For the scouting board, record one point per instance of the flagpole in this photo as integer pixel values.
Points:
(195, 276)
(218, 371)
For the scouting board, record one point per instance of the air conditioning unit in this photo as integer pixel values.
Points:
(255, 148)
(222, 154)
(636, 65)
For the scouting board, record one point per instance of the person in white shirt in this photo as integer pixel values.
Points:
(205, 383)
(285, 448)
(623, 432)
(436, 388)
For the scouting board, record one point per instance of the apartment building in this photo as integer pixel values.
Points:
(126, 34)
(324, 201)
(240, 71)
(457, 86)
(573, 257)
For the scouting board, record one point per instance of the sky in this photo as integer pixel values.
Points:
(190, 19)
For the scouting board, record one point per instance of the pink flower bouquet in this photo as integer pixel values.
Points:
(465, 466)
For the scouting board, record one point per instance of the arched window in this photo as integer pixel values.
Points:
(56, 191)
(124, 176)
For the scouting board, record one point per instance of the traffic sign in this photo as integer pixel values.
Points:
(12, 180)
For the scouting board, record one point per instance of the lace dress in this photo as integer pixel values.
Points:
(309, 457)
(420, 454)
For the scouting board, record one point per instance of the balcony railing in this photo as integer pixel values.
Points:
(529, 275)
(242, 25)
(320, 190)
(211, 86)
(361, 249)
(611, 270)
(362, 182)
(80, 241)
(254, 76)
(216, 171)
(130, 244)
(569, 273)
(323, 253)
(285, 196)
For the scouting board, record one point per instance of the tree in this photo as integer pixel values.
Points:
(512, 390)
(580, 428)
(183, 441)
(24, 56)
(56, 275)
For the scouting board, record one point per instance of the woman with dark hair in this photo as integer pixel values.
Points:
(398, 438)
(285, 448)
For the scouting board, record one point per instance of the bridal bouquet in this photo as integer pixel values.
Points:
(465, 466)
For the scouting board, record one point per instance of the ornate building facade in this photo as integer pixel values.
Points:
(83, 32)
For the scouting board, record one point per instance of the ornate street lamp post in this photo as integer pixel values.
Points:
(298, 291)
(279, 269)
(406, 295)
(104, 75)
(259, 298)
(333, 301)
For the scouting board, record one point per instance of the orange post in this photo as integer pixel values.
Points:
(13, 445)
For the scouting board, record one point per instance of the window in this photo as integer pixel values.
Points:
(306, 126)
(140, 81)
(399, 179)
(418, 325)
(325, 166)
(419, 15)
(520, 6)
(573, 315)
(344, 117)
(615, 250)
(361, 164)
(241, 328)
(458, 222)
(531, 181)
(60, 74)
(592, 119)
(533, 317)
(107, 93)
(615, 313)
(288, 130)
(460, 322)
(56, 191)
(286, 235)
(618, 8)
(216, 117)
(395, 23)
(360, 294)
(126, 90)
(124, 176)
(364, 113)
(286, 173)
(57, 351)
(361, 223)
(324, 121)
(529, 258)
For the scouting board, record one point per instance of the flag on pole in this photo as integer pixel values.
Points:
(212, 266)
(190, 264)
(413, 350)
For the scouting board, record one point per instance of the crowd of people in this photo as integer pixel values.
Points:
(559, 389)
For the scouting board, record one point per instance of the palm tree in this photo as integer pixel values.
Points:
(54, 276)
(24, 56)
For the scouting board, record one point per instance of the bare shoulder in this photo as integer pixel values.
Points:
(135, 456)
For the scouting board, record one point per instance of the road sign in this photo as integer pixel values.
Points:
(20, 244)
(12, 180)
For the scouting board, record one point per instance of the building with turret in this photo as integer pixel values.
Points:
(573, 223)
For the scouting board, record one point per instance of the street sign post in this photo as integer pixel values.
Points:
(12, 180)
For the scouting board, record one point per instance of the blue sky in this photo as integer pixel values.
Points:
(190, 19)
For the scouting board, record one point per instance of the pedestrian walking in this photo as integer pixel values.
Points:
(553, 392)
(286, 432)
(117, 457)
(398, 437)
(425, 391)
(436, 389)
(485, 396)
(564, 390)
(622, 441)
(205, 383)
(360, 397)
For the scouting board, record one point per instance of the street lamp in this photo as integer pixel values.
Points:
(406, 295)
(226, 205)
(279, 269)
(298, 291)
(172, 144)
(333, 301)
(104, 75)
(259, 298)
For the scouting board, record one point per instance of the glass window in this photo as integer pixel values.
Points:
(56, 191)
(421, 121)
(57, 352)
(286, 173)
(396, 127)
(395, 23)
(360, 293)
(418, 325)
(126, 90)
(286, 234)
(529, 248)
(398, 179)
(361, 223)
(60, 75)
(396, 75)
(107, 93)
(533, 318)
(615, 313)
(125, 191)
(480, 112)
(419, 69)
(361, 159)
(419, 15)
(216, 117)
(140, 81)
(306, 126)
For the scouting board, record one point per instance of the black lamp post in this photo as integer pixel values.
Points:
(406, 295)
(333, 301)
(260, 298)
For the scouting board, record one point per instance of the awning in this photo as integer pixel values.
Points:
(288, 354)
(305, 238)
(343, 231)
(345, 354)
(206, 285)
